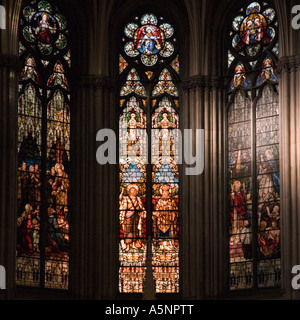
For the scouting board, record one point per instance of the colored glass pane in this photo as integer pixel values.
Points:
(149, 74)
(43, 27)
(58, 184)
(253, 150)
(122, 64)
(268, 184)
(133, 84)
(175, 64)
(133, 213)
(240, 197)
(61, 21)
(165, 85)
(167, 50)
(130, 29)
(157, 185)
(167, 29)
(268, 72)
(149, 61)
(28, 13)
(165, 197)
(240, 77)
(43, 120)
(255, 30)
(148, 40)
(149, 19)
(58, 77)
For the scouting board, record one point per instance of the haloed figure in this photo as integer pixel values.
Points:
(132, 213)
(44, 29)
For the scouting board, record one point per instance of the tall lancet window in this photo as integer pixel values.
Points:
(149, 174)
(253, 149)
(43, 148)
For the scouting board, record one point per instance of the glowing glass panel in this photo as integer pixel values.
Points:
(43, 120)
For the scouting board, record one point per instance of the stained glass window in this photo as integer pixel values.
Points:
(43, 148)
(149, 120)
(253, 149)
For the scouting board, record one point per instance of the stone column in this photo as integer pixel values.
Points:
(95, 193)
(8, 166)
(290, 169)
(203, 196)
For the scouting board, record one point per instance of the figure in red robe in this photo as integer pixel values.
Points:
(44, 29)
(238, 199)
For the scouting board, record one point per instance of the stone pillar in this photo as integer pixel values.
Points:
(95, 220)
(8, 166)
(290, 169)
(203, 213)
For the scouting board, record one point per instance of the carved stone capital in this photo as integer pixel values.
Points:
(289, 64)
(203, 82)
(97, 81)
(10, 62)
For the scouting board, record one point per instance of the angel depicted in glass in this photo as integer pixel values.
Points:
(44, 29)
(58, 78)
(149, 40)
(29, 71)
(240, 77)
(268, 72)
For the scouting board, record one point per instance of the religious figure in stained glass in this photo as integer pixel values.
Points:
(29, 71)
(269, 230)
(267, 72)
(44, 120)
(165, 219)
(238, 199)
(165, 124)
(149, 39)
(240, 77)
(251, 57)
(28, 226)
(269, 181)
(155, 44)
(45, 29)
(133, 124)
(132, 213)
(58, 77)
(254, 30)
